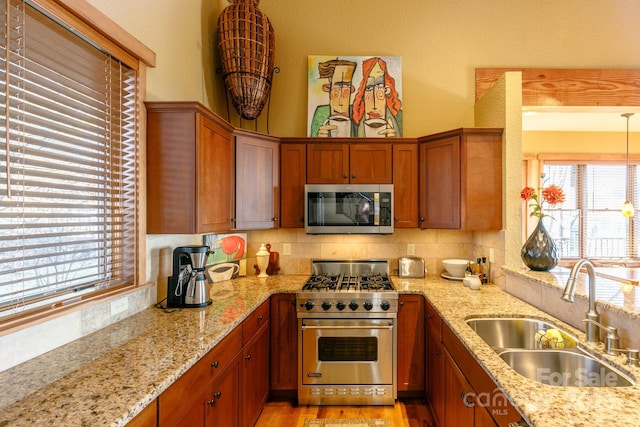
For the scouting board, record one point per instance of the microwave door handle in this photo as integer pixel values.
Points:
(376, 208)
(319, 210)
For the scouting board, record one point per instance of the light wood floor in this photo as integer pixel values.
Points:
(406, 413)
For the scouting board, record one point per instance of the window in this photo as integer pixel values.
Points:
(589, 224)
(69, 161)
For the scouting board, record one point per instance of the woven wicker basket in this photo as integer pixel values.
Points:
(246, 42)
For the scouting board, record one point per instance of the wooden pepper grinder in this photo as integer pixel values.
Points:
(274, 260)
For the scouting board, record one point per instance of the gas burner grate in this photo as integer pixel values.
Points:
(321, 282)
(349, 283)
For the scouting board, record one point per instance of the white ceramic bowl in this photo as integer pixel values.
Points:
(455, 267)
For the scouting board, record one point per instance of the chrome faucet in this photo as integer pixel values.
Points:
(592, 318)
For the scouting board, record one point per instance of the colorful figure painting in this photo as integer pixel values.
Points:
(355, 96)
(226, 247)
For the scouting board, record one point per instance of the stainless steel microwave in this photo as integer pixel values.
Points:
(348, 208)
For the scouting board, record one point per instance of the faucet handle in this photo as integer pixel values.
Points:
(612, 339)
(633, 355)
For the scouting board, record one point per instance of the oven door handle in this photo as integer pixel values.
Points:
(348, 327)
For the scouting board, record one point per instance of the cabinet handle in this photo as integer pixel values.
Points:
(353, 175)
(429, 316)
(247, 357)
(274, 219)
(215, 397)
(437, 352)
(293, 302)
(345, 176)
(260, 318)
(395, 218)
(215, 364)
(421, 219)
(465, 401)
(401, 303)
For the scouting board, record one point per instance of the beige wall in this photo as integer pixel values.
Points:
(441, 42)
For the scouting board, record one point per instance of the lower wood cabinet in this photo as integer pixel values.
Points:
(284, 345)
(411, 344)
(435, 364)
(228, 386)
(459, 391)
(222, 398)
(148, 417)
(255, 376)
(459, 399)
(218, 405)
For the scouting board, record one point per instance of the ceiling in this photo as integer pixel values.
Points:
(588, 119)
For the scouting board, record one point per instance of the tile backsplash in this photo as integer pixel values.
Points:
(432, 245)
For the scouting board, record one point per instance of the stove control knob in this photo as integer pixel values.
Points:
(367, 305)
(340, 305)
(309, 305)
(385, 305)
(353, 305)
(326, 305)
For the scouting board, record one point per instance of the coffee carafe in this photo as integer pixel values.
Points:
(188, 286)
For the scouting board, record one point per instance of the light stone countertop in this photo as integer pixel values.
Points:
(108, 377)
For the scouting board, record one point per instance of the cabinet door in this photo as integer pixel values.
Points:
(459, 397)
(257, 182)
(255, 376)
(482, 179)
(221, 404)
(440, 183)
(195, 416)
(435, 377)
(293, 177)
(370, 163)
(327, 163)
(215, 178)
(405, 188)
(284, 343)
(483, 417)
(411, 343)
(147, 418)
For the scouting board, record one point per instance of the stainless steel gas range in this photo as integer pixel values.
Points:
(347, 313)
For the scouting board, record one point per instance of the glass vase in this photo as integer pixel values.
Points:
(540, 252)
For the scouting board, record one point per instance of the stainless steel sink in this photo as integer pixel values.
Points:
(564, 368)
(520, 333)
(551, 358)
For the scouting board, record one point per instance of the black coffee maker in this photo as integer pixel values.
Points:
(188, 287)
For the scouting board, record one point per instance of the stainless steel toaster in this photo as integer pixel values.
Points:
(410, 266)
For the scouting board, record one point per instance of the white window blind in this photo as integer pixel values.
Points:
(68, 165)
(589, 224)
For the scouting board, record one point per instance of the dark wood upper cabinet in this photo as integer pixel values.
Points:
(257, 181)
(405, 185)
(461, 179)
(293, 177)
(343, 163)
(190, 169)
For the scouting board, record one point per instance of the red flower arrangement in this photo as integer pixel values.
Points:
(552, 194)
